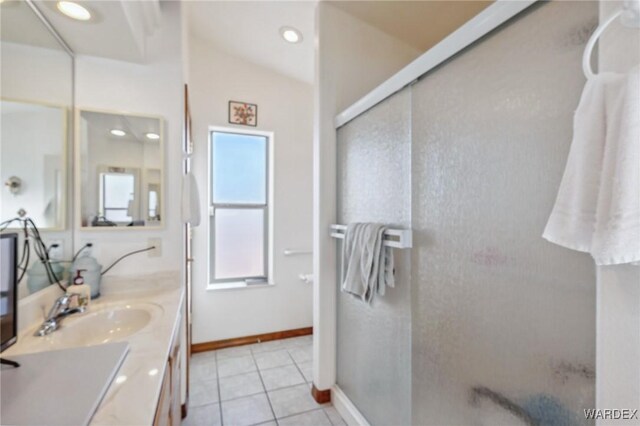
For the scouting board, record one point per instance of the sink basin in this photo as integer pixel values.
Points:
(104, 326)
(101, 324)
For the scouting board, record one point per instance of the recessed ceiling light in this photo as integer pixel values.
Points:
(153, 136)
(118, 132)
(291, 35)
(121, 379)
(74, 10)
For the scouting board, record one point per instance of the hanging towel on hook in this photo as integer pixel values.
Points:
(190, 200)
(369, 264)
(597, 209)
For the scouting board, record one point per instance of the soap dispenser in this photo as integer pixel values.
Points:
(81, 289)
(93, 271)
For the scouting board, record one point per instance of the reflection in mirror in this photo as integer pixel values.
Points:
(33, 163)
(121, 170)
(36, 76)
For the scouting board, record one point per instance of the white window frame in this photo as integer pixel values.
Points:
(269, 208)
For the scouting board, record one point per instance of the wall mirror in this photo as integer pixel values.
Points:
(37, 95)
(121, 170)
(33, 163)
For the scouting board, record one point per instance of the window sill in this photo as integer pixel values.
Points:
(239, 285)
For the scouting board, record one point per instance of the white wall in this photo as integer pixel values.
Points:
(156, 89)
(285, 108)
(618, 287)
(352, 58)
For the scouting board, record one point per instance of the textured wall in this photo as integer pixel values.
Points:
(374, 342)
(501, 322)
(497, 308)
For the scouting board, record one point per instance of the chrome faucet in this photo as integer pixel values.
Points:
(60, 310)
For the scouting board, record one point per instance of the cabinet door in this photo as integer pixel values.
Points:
(176, 406)
(163, 411)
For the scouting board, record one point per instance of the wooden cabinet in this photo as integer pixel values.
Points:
(168, 411)
(163, 411)
(176, 406)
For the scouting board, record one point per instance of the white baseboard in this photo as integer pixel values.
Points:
(347, 410)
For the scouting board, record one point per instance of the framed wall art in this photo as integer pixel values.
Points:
(243, 113)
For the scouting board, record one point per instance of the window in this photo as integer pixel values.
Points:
(239, 208)
(116, 195)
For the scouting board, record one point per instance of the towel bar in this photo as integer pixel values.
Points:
(396, 238)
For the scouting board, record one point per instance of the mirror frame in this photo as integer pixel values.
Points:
(66, 164)
(77, 182)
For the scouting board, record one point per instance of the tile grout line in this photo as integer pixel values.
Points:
(216, 359)
(327, 416)
(219, 395)
(305, 412)
(275, 419)
(298, 367)
(252, 394)
(257, 371)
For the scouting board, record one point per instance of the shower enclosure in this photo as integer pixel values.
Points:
(488, 323)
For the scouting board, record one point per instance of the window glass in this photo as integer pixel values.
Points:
(118, 190)
(239, 243)
(239, 169)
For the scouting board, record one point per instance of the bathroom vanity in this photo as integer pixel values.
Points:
(84, 159)
(145, 312)
(169, 409)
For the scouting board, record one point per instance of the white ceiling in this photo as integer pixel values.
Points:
(250, 30)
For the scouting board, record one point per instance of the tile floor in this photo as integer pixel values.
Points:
(262, 384)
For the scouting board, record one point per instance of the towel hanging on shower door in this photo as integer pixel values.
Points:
(369, 264)
(597, 209)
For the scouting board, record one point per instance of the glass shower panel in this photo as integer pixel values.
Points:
(374, 185)
(500, 315)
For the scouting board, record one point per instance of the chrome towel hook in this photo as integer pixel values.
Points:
(629, 15)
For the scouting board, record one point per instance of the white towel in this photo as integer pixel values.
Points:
(190, 200)
(368, 262)
(598, 205)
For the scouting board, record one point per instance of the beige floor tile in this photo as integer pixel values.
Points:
(205, 415)
(246, 411)
(311, 418)
(280, 377)
(203, 392)
(334, 416)
(237, 365)
(240, 385)
(293, 400)
(273, 359)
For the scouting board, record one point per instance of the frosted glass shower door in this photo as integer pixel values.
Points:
(497, 311)
(374, 185)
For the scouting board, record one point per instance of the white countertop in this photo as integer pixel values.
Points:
(133, 396)
(30, 393)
